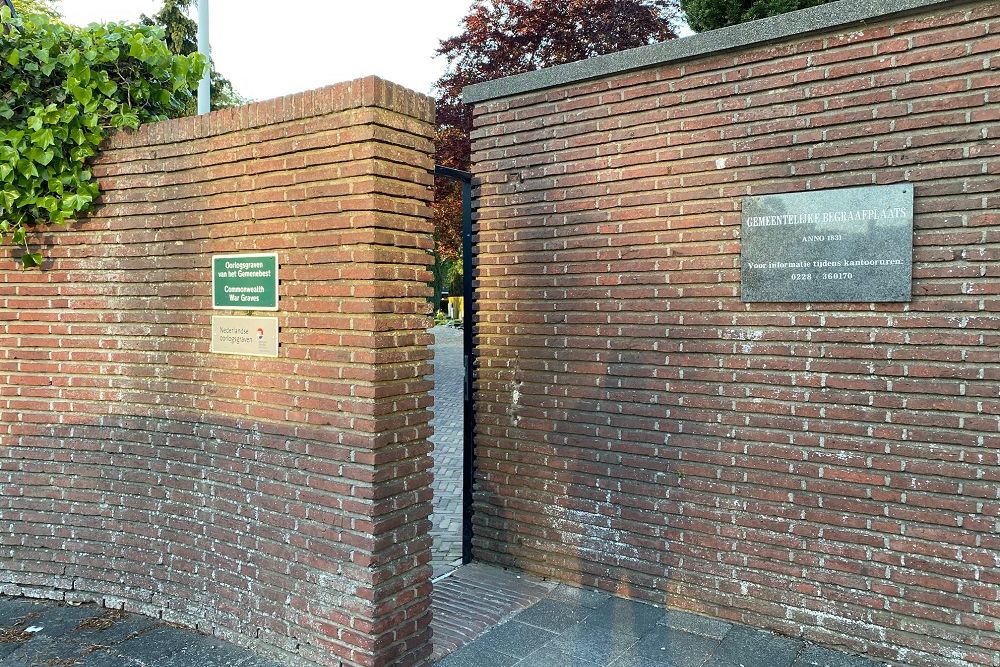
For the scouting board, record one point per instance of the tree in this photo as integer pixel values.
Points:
(61, 89)
(36, 7)
(181, 35)
(506, 37)
(705, 15)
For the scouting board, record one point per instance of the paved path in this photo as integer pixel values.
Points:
(36, 633)
(571, 627)
(476, 597)
(447, 439)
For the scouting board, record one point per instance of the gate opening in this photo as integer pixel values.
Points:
(468, 359)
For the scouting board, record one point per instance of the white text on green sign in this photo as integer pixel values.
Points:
(245, 282)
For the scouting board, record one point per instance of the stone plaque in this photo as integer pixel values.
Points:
(254, 336)
(848, 245)
(245, 282)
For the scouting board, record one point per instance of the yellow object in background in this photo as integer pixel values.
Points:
(456, 307)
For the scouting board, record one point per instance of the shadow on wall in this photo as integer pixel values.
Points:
(279, 502)
(817, 469)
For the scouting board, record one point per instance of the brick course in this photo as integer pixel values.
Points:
(280, 503)
(822, 470)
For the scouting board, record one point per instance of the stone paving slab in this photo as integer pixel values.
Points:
(600, 644)
(553, 615)
(624, 616)
(746, 647)
(696, 625)
(551, 656)
(515, 639)
(819, 656)
(477, 657)
(579, 596)
(14, 609)
(669, 648)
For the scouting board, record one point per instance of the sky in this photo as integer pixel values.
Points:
(270, 49)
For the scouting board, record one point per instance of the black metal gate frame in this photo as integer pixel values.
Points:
(469, 356)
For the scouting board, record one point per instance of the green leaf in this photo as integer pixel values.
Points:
(27, 168)
(181, 68)
(108, 87)
(78, 202)
(50, 126)
(79, 92)
(44, 139)
(7, 197)
(126, 119)
(69, 59)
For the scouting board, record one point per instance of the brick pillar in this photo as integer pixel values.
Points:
(278, 503)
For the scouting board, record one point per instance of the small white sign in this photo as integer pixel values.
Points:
(253, 336)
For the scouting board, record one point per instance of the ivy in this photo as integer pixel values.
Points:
(61, 89)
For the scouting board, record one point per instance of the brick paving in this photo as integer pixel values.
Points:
(448, 438)
(475, 598)
(467, 601)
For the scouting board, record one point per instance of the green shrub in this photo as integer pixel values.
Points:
(61, 89)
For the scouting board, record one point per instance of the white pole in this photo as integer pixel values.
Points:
(204, 48)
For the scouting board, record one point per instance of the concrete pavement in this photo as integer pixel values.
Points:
(39, 633)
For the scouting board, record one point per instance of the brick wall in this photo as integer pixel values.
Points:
(822, 470)
(281, 503)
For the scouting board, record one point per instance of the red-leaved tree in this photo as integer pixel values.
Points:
(506, 37)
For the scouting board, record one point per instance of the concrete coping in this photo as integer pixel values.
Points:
(843, 13)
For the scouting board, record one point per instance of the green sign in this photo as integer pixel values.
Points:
(245, 282)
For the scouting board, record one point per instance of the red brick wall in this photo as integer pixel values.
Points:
(281, 503)
(823, 470)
